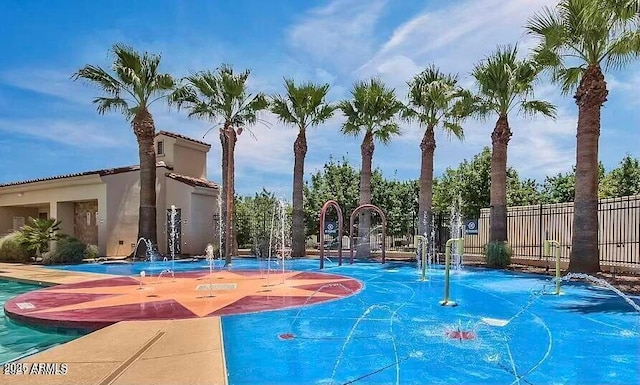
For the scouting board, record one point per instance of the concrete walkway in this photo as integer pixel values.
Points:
(43, 276)
(136, 352)
(188, 351)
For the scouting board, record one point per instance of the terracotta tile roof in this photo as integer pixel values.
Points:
(191, 181)
(174, 135)
(106, 171)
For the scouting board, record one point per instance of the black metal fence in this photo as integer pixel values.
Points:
(529, 226)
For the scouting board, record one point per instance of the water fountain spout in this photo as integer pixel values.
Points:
(421, 250)
(458, 245)
(456, 232)
(150, 252)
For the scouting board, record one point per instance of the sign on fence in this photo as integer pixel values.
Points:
(471, 227)
(330, 228)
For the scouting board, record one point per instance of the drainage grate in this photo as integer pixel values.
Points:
(217, 286)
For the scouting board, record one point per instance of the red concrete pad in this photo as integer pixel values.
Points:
(95, 304)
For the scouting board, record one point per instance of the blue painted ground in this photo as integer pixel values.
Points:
(17, 340)
(395, 332)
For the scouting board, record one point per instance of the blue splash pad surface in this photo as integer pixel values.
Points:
(395, 332)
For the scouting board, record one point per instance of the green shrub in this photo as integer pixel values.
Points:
(92, 252)
(37, 234)
(67, 250)
(12, 249)
(498, 254)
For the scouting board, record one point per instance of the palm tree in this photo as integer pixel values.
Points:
(625, 5)
(371, 111)
(222, 95)
(504, 83)
(577, 38)
(303, 106)
(38, 233)
(131, 87)
(435, 99)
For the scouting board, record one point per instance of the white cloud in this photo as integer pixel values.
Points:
(77, 133)
(339, 34)
(51, 82)
(628, 85)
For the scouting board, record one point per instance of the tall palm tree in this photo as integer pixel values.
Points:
(626, 5)
(371, 111)
(222, 96)
(435, 100)
(131, 87)
(505, 83)
(577, 38)
(303, 106)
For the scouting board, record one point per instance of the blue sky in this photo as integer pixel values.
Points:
(49, 127)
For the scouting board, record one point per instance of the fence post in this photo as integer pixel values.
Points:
(540, 228)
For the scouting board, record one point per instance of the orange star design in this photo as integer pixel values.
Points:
(205, 294)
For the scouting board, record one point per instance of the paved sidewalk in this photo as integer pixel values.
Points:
(134, 352)
(41, 275)
(188, 351)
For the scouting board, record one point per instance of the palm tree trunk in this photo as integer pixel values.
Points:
(230, 193)
(590, 96)
(223, 214)
(364, 222)
(297, 231)
(144, 129)
(427, 147)
(498, 195)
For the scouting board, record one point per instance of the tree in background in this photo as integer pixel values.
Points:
(578, 37)
(303, 106)
(435, 101)
(471, 181)
(223, 95)
(133, 85)
(337, 181)
(505, 83)
(623, 180)
(371, 111)
(254, 219)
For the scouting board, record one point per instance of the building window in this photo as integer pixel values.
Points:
(88, 219)
(18, 222)
(160, 149)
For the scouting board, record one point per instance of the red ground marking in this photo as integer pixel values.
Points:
(461, 335)
(286, 336)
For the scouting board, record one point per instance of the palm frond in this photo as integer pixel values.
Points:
(134, 75)
(578, 33)
(454, 129)
(112, 104)
(504, 81)
(435, 99)
(568, 78)
(534, 107)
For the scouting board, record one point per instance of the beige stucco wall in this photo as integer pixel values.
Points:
(204, 204)
(118, 198)
(123, 192)
(186, 157)
(59, 194)
(7, 214)
(178, 194)
(168, 144)
(190, 160)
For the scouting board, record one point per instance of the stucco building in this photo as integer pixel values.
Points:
(101, 207)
